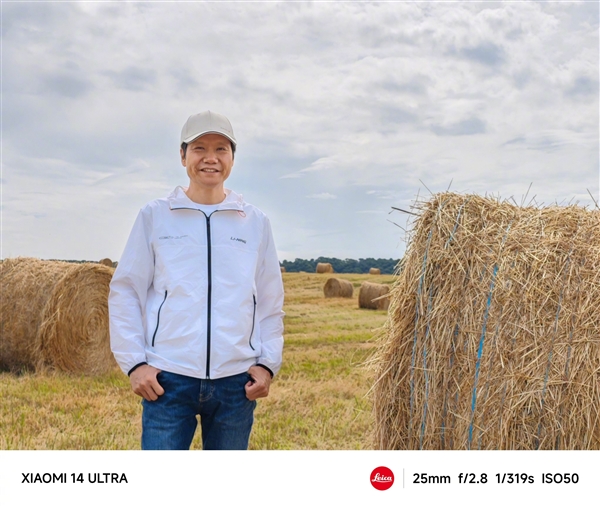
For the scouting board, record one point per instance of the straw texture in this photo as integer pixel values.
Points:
(26, 284)
(373, 296)
(335, 287)
(74, 333)
(493, 338)
(54, 315)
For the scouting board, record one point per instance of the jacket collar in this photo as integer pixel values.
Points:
(179, 200)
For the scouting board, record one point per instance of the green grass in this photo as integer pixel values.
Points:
(317, 401)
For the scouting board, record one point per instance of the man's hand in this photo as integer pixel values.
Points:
(144, 383)
(259, 386)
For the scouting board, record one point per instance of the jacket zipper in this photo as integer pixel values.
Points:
(209, 268)
(209, 295)
(158, 318)
(253, 319)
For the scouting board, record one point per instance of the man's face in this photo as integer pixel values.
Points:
(208, 161)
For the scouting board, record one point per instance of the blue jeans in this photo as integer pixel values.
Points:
(226, 414)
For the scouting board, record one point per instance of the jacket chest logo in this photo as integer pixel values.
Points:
(163, 237)
(238, 239)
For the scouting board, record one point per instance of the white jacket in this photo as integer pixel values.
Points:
(198, 295)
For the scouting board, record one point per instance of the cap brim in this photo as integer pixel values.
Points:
(188, 140)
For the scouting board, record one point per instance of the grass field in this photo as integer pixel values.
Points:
(317, 401)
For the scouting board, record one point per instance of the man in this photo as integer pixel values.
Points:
(195, 304)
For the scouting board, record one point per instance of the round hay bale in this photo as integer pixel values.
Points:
(324, 268)
(74, 333)
(373, 296)
(52, 313)
(492, 340)
(282, 268)
(374, 270)
(335, 287)
(26, 284)
(106, 261)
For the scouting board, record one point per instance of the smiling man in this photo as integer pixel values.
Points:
(195, 304)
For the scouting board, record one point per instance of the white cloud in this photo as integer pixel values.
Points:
(293, 175)
(362, 99)
(322, 196)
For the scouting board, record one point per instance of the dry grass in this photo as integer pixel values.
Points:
(59, 411)
(493, 340)
(317, 401)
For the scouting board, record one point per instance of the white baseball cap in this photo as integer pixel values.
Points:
(206, 122)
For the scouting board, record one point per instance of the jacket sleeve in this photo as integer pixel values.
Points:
(269, 303)
(128, 293)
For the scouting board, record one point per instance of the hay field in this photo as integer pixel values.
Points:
(317, 401)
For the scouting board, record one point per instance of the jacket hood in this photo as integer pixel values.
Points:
(178, 199)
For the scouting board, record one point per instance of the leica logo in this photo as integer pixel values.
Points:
(378, 477)
(382, 478)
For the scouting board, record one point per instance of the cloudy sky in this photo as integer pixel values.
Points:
(341, 109)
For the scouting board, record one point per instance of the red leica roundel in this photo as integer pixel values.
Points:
(382, 478)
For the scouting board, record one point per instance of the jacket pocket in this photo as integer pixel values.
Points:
(253, 320)
(158, 318)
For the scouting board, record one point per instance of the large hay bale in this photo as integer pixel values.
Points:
(282, 268)
(106, 261)
(324, 268)
(373, 296)
(335, 287)
(74, 332)
(25, 287)
(55, 314)
(374, 270)
(493, 335)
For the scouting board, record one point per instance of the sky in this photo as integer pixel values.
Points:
(342, 110)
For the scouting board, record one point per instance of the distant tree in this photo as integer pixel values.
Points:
(346, 266)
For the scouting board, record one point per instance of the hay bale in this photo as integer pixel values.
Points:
(373, 296)
(54, 314)
(282, 268)
(106, 261)
(492, 340)
(26, 285)
(324, 268)
(375, 271)
(74, 332)
(335, 287)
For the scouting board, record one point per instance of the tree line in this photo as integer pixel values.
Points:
(348, 266)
